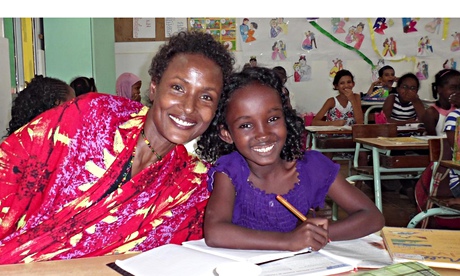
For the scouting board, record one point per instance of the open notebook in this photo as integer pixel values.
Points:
(195, 258)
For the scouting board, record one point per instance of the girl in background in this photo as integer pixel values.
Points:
(405, 106)
(83, 85)
(345, 108)
(41, 94)
(446, 84)
(129, 86)
(255, 144)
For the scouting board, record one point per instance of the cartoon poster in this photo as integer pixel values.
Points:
(309, 41)
(355, 35)
(302, 71)
(248, 30)
(277, 27)
(222, 29)
(409, 25)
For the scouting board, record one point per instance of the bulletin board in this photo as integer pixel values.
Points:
(124, 30)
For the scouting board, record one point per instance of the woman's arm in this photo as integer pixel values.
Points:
(219, 230)
(363, 216)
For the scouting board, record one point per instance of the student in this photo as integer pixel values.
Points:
(383, 86)
(282, 74)
(446, 83)
(405, 106)
(345, 108)
(129, 86)
(255, 138)
(103, 174)
(83, 85)
(41, 94)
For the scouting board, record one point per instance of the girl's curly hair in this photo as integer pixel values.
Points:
(191, 42)
(210, 147)
(41, 94)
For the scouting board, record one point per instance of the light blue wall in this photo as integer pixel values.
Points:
(81, 47)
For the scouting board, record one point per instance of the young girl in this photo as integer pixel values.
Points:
(405, 106)
(446, 83)
(344, 109)
(255, 138)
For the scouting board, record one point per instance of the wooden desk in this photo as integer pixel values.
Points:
(381, 146)
(313, 132)
(96, 266)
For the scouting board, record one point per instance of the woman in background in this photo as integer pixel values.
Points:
(129, 86)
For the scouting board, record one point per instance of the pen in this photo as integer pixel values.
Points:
(291, 208)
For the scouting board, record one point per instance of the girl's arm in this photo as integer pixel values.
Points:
(419, 108)
(318, 120)
(430, 120)
(219, 231)
(388, 106)
(363, 216)
(371, 88)
(357, 109)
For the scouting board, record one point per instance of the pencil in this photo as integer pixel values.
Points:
(291, 208)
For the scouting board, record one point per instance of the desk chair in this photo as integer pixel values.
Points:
(439, 150)
(367, 172)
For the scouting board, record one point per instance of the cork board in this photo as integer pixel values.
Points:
(124, 30)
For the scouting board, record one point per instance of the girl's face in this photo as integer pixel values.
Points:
(407, 89)
(185, 100)
(388, 78)
(256, 124)
(136, 91)
(450, 87)
(345, 82)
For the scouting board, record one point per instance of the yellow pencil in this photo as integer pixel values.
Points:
(291, 208)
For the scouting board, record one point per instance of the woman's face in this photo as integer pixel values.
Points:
(136, 91)
(185, 100)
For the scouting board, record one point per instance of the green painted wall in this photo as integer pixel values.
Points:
(8, 29)
(81, 47)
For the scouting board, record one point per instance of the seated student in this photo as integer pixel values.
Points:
(282, 74)
(344, 109)
(83, 85)
(446, 83)
(41, 94)
(450, 128)
(129, 86)
(383, 86)
(405, 106)
(255, 138)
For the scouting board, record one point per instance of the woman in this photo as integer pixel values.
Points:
(41, 94)
(129, 86)
(104, 174)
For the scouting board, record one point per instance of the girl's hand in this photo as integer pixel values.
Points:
(311, 233)
(349, 94)
(412, 96)
(339, 123)
(455, 99)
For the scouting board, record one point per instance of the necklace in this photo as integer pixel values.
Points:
(128, 169)
(150, 146)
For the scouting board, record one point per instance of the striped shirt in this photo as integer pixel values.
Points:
(402, 111)
(451, 125)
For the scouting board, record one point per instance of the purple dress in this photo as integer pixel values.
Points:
(258, 210)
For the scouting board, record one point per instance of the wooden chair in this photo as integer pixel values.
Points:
(439, 150)
(366, 172)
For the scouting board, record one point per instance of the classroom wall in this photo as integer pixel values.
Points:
(81, 47)
(5, 87)
(308, 96)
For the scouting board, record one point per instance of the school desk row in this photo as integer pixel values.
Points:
(380, 141)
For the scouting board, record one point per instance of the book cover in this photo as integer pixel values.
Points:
(406, 269)
(456, 152)
(432, 247)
